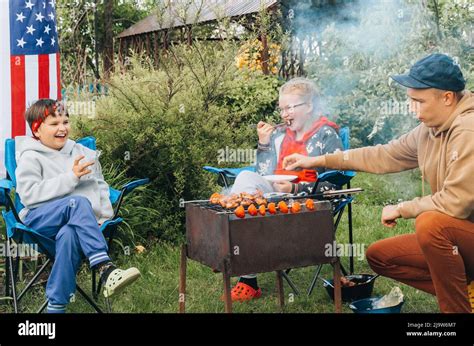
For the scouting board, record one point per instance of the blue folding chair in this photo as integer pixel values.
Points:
(339, 178)
(19, 233)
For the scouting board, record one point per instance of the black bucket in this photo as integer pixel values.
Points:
(362, 289)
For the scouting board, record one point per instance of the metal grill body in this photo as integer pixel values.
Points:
(257, 244)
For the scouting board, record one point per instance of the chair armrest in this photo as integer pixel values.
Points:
(6, 184)
(113, 195)
(5, 187)
(229, 172)
(339, 178)
(129, 187)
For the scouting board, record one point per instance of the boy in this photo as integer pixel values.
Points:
(65, 201)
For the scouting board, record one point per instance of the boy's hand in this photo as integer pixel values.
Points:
(80, 169)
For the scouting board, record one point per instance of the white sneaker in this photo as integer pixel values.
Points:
(118, 279)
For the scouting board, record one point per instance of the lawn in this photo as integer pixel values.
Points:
(157, 290)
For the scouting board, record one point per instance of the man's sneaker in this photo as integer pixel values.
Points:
(118, 279)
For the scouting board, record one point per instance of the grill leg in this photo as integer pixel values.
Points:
(337, 286)
(281, 293)
(227, 296)
(182, 280)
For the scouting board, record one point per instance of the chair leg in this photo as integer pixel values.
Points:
(290, 282)
(42, 307)
(351, 238)
(13, 284)
(344, 271)
(35, 277)
(94, 284)
(315, 279)
(99, 286)
(7, 278)
(108, 305)
(89, 300)
(12, 278)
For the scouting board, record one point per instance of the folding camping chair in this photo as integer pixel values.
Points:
(339, 178)
(19, 233)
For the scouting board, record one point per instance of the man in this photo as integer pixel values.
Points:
(439, 257)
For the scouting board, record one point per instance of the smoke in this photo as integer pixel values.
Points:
(351, 49)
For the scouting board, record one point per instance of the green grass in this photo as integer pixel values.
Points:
(157, 290)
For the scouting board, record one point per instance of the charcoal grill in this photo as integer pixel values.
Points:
(256, 244)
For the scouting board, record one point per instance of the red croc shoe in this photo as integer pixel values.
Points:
(243, 292)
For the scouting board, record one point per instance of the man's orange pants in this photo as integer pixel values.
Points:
(438, 258)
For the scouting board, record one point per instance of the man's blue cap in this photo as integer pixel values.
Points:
(437, 71)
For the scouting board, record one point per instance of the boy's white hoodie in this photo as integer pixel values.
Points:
(44, 174)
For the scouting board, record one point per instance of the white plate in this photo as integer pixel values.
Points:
(278, 177)
(278, 195)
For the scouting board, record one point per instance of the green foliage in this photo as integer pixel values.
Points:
(167, 124)
(139, 219)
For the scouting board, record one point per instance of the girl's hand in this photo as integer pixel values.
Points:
(264, 132)
(282, 186)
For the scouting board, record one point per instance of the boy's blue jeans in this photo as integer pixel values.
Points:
(72, 223)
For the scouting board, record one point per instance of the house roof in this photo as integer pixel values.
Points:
(177, 13)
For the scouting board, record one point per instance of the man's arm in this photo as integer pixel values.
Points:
(456, 198)
(396, 156)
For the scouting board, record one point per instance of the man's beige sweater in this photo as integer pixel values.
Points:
(445, 156)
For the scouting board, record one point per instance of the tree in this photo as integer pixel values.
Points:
(86, 30)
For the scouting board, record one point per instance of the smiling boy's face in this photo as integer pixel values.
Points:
(54, 131)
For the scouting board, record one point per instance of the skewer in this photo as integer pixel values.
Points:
(322, 194)
(181, 202)
(254, 126)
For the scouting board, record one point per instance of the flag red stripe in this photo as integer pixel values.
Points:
(17, 72)
(58, 79)
(43, 74)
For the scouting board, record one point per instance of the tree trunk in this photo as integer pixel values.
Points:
(108, 38)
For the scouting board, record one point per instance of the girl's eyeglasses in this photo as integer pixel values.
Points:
(289, 108)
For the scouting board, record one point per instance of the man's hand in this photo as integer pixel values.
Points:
(293, 161)
(264, 132)
(80, 169)
(390, 214)
(282, 186)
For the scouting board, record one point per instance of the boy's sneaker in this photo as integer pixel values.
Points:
(117, 279)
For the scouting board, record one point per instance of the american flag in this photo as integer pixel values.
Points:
(29, 62)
